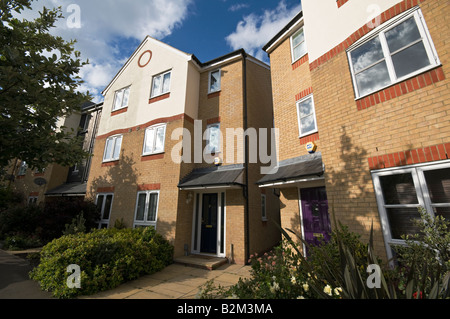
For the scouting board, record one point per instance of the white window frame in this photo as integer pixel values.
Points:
(220, 81)
(112, 159)
(102, 209)
(196, 227)
(264, 207)
(417, 173)
(145, 223)
(380, 33)
(32, 200)
(299, 117)
(22, 169)
(116, 96)
(154, 130)
(208, 138)
(301, 30)
(161, 75)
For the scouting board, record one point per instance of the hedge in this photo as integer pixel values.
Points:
(106, 257)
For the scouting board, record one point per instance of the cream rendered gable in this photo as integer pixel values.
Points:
(183, 98)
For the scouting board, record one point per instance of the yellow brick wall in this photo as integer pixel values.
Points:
(349, 137)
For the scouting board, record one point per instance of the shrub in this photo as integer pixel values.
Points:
(19, 219)
(47, 222)
(61, 211)
(425, 258)
(106, 257)
(337, 269)
(21, 241)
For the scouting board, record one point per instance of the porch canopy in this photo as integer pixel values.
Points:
(68, 189)
(229, 176)
(294, 170)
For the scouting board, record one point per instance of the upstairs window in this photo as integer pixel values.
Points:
(399, 51)
(213, 138)
(23, 168)
(306, 116)
(298, 45)
(214, 81)
(112, 148)
(154, 139)
(121, 99)
(161, 84)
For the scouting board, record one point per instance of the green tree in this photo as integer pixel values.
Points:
(38, 84)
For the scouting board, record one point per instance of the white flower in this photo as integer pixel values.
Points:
(293, 280)
(275, 287)
(305, 287)
(327, 290)
(300, 297)
(337, 291)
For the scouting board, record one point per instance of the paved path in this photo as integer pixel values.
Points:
(14, 280)
(174, 282)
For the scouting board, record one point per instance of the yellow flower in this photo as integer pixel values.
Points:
(337, 291)
(300, 297)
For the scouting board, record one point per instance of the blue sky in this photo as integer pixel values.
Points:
(108, 31)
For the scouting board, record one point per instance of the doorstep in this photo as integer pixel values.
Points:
(201, 261)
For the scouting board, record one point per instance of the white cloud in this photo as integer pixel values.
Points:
(238, 6)
(254, 31)
(103, 23)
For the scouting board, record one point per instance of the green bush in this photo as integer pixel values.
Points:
(338, 269)
(47, 222)
(425, 258)
(21, 241)
(106, 257)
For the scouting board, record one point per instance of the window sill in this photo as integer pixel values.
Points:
(159, 98)
(214, 94)
(110, 163)
(301, 60)
(119, 111)
(309, 138)
(416, 82)
(151, 157)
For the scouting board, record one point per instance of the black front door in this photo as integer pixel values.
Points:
(209, 224)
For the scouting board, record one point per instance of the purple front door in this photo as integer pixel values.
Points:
(316, 221)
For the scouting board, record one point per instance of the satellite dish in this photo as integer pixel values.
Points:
(40, 181)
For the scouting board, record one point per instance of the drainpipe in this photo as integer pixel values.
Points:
(245, 123)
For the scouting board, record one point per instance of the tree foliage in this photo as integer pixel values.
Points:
(38, 86)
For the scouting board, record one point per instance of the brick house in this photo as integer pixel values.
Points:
(56, 180)
(161, 156)
(362, 86)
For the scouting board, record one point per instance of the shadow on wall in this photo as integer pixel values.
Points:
(350, 193)
(122, 180)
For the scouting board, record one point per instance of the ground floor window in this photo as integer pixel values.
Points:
(401, 192)
(32, 200)
(146, 209)
(104, 205)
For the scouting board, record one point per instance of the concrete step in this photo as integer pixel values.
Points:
(201, 261)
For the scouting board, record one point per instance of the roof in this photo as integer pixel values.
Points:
(229, 175)
(283, 31)
(68, 189)
(295, 168)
